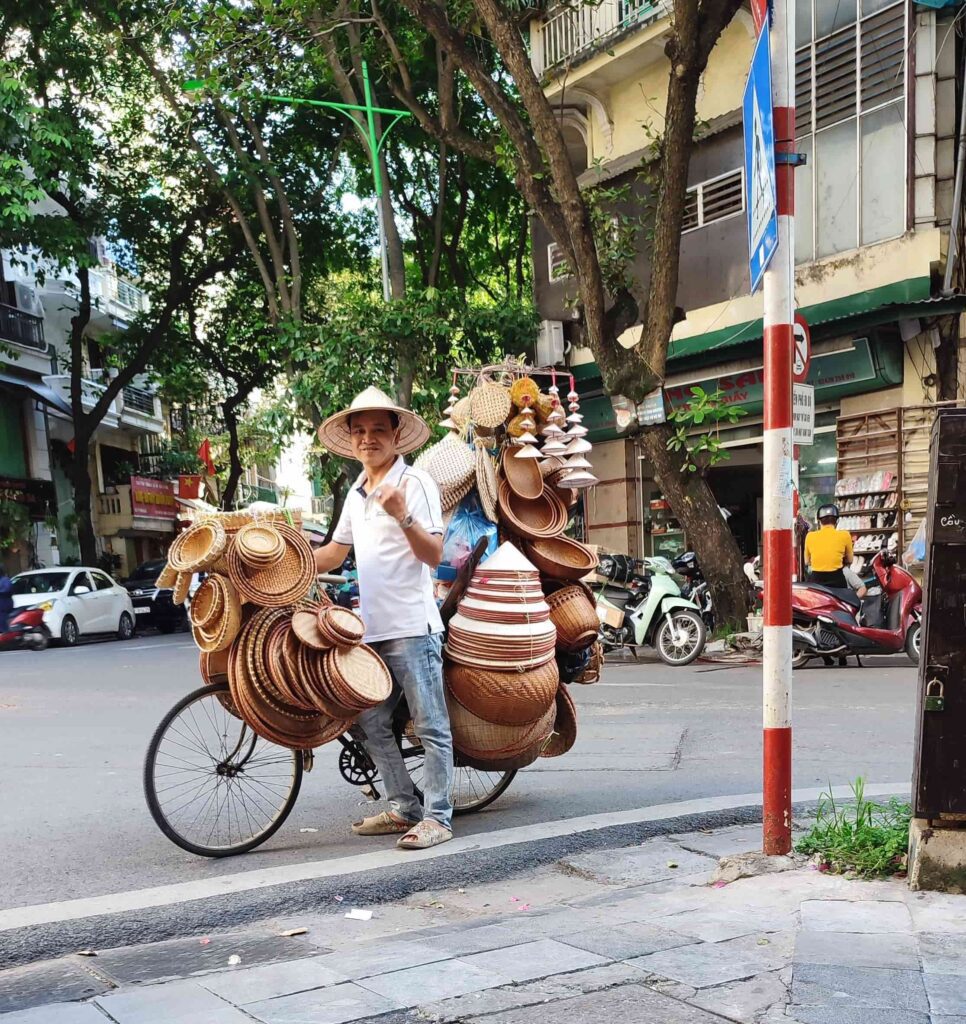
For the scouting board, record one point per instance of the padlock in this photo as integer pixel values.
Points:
(935, 697)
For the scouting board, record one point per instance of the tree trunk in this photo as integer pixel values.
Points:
(83, 492)
(339, 490)
(234, 459)
(695, 506)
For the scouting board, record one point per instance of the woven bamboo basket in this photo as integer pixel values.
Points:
(259, 545)
(182, 584)
(509, 764)
(487, 485)
(199, 547)
(490, 404)
(575, 617)
(560, 557)
(564, 726)
(167, 579)
(524, 393)
(545, 517)
(591, 674)
(484, 740)
(522, 475)
(452, 464)
(504, 698)
(207, 603)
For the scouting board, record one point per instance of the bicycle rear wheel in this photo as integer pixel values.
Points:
(471, 789)
(212, 785)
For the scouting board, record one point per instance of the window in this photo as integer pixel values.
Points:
(850, 120)
(713, 200)
(81, 580)
(557, 263)
(102, 582)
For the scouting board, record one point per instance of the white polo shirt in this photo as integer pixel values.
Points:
(395, 588)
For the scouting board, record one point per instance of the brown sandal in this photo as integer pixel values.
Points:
(382, 824)
(426, 834)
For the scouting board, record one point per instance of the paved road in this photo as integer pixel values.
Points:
(75, 724)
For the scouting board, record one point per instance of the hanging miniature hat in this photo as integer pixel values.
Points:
(448, 423)
(555, 445)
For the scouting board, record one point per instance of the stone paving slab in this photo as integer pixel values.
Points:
(715, 924)
(947, 992)
(627, 1004)
(57, 1013)
(183, 958)
(714, 963)
(722, 842)
(534, 960)
(398, 954)
(254, 984)
(432, 982)
(845, 950)
(627, 940)
(54, 982)
(873, 916)
(823, 985)
(942, 954)
(744, 1000)
(177, 1002)
(638, 864)
(335, 1005)
(849, 1014)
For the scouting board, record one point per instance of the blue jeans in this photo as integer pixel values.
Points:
(416, 664)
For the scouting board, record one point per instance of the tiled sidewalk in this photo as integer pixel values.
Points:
(629, 936)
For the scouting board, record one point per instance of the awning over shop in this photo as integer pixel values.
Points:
(38, 389)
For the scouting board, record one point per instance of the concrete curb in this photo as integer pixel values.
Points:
(30, 934)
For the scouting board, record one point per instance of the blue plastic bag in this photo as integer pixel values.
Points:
(468, 524)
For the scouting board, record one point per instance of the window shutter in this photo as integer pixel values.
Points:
(557, 263)
(691, 210)
(883, 57)
(803, 91)
(835, 79)
(722, 197)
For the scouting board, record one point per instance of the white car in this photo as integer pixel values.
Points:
(76, 602)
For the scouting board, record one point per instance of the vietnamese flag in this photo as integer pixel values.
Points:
(204, 454)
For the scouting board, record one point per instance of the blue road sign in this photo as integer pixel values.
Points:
(760, 202)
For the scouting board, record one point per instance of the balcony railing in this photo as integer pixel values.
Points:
(571, 30)
(21, 327)
(139, 400)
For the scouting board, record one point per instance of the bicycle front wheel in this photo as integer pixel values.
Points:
(213, 786)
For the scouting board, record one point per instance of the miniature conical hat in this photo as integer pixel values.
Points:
(506, 558)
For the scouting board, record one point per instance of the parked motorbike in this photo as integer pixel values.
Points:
(25, 629)
(829, 621)
(695, 587)
(642, 604)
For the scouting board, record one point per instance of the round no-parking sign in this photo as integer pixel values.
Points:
(802, 358)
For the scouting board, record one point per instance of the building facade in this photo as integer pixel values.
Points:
(36, 426)
(878, 93)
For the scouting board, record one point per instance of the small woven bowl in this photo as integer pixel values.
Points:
(259, 545)
(207, 603)
(199, 547)
(575, 617)
(545, 517)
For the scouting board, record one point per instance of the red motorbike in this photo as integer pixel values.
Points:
(25, 628)
(829, 622)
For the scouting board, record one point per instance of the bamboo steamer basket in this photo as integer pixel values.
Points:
(575, 617)
(504, 698)
(483, 740)
(560, 557)
(564, 725)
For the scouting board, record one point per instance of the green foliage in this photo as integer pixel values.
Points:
(700, 451)
(859, 838)
(14, 523)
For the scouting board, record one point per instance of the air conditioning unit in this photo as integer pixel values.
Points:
(550, 343)
(27, 298)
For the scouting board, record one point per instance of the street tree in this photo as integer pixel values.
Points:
(86, 156)
(482, 41)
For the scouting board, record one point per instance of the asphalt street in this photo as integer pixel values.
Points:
(76, 724)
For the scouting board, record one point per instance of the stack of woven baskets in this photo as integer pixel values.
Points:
(297, 669)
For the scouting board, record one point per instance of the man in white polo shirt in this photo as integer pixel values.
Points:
(392, 518)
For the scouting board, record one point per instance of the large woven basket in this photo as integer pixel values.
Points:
(522, 475)
(486, 741)
(545, 517)
(575, 617)
(560, 557)
(452, 464)
(504, 698)
(506, 764)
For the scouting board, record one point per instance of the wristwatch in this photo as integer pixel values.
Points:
(406, 522)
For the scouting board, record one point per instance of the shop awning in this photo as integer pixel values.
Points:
(39, 390)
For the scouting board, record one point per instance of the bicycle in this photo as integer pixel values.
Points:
(217, 789)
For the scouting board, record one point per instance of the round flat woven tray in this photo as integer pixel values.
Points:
(259, 544)
(281, 584)
(198, 547)
(361, 674)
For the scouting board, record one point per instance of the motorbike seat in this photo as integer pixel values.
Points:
(847, 595)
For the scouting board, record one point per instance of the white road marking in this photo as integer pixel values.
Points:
(263, 878)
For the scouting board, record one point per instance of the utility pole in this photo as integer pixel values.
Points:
(779, 484)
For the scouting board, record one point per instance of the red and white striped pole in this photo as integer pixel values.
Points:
(779, 282)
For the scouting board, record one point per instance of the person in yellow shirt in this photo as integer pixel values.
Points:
(828, 549)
